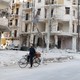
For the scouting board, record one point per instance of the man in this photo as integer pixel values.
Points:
(31, 54)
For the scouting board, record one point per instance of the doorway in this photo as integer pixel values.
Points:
(59, 43)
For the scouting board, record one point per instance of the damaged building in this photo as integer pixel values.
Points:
(45, 23)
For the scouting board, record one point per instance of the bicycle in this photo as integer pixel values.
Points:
(23, 61)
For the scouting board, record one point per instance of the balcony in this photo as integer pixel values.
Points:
(11, 17)
(62, 33)
(65, 34)
(13, 5)
(74, 3)
(27, 6)
(4, 20)
(4, 24)
(24, 33)
(16, 4)
(52, 4)
(62, 17)
(54, 16)
(15, 15)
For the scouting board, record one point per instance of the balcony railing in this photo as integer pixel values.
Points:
(47, 2)
(27, 5)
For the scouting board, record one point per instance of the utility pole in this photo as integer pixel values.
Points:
(48, 28)
(78, 26)
(31, 27)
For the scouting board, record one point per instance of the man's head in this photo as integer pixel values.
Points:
(31, 45)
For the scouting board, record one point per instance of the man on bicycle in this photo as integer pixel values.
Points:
(32, 53)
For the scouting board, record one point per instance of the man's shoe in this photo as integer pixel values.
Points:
(30, 67)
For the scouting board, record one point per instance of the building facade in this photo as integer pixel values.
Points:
(45, 23)
(3, 21)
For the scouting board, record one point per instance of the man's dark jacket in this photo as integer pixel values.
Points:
(32, 52)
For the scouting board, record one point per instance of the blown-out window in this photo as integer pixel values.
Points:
(67, 10)
(15, 33)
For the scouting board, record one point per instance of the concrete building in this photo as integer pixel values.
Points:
(14, 17)
(55, 24)
(3, 21)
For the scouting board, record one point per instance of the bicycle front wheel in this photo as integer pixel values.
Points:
(22, 63)
(36, 62)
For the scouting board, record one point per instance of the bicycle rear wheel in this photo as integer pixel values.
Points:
(22, 63)
(36, 62)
